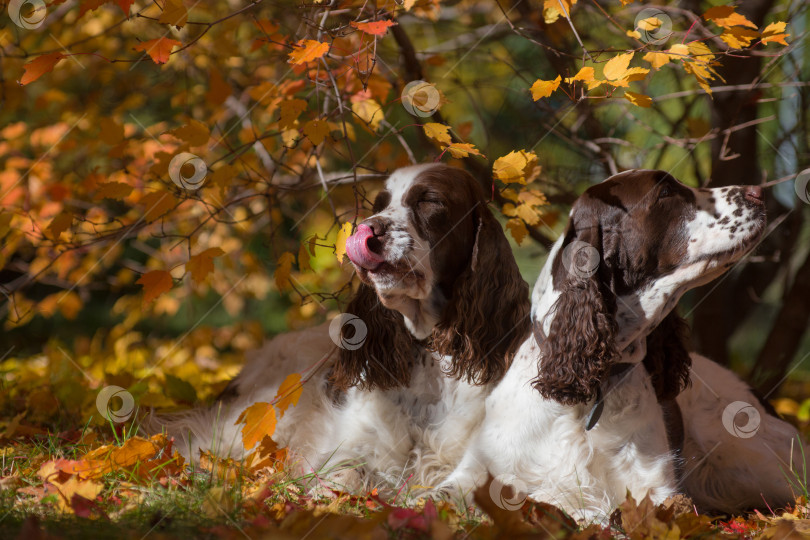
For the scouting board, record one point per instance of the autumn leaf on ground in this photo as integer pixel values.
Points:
(307, 51)
(154, 284)
(158, 49)
(316, 130)
(340, 244)
(375, 28)
(438, 132)
(283, 270)
(202, 264)
(39, 66)
(639, 100)
(259, 420)
(541, 89)
(289, 393)
(516, 167)
(775, 33)
(174, 13)
(462, 150)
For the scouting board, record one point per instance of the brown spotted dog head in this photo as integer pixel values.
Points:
(633, 245)
(436, 271)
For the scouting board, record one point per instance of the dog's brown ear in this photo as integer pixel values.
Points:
(376, 349)
(667, 360)
(580, 347)
(487, 317)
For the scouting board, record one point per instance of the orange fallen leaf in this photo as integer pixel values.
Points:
(39, 66)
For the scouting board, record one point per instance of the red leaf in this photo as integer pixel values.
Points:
(125, 5)
(158, 49)
(39, 66)
(375, 28)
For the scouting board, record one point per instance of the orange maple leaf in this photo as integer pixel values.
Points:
(375, 28)
(39, 66)
(154, 284)
(202, 264)
(307, 51)
(158, 49)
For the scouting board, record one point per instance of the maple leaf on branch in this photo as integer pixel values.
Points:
(158, 49)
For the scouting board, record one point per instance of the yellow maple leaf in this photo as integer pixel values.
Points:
(541, 89)
(438, 132)
(462, 150)
(639, 100)
(307, 51)
(515, 167)
(288, 393)
(340, 244)
(260, 422)
(518, 229)
(202, 264)
(775, 33)
(283, 270)
(616, 67)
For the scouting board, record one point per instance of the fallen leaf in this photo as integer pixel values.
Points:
(39, 66)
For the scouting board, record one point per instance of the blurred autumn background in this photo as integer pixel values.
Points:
(178, 180)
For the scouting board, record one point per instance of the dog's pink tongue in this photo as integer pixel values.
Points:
(357, 249)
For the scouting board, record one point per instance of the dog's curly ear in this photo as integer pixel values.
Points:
(667, 360)
(376, 349)
(487, 317)
(580, 347)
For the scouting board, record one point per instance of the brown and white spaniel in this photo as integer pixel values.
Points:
(396, 385)
(585, 412)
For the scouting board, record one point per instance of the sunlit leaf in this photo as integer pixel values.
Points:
(541, 89)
